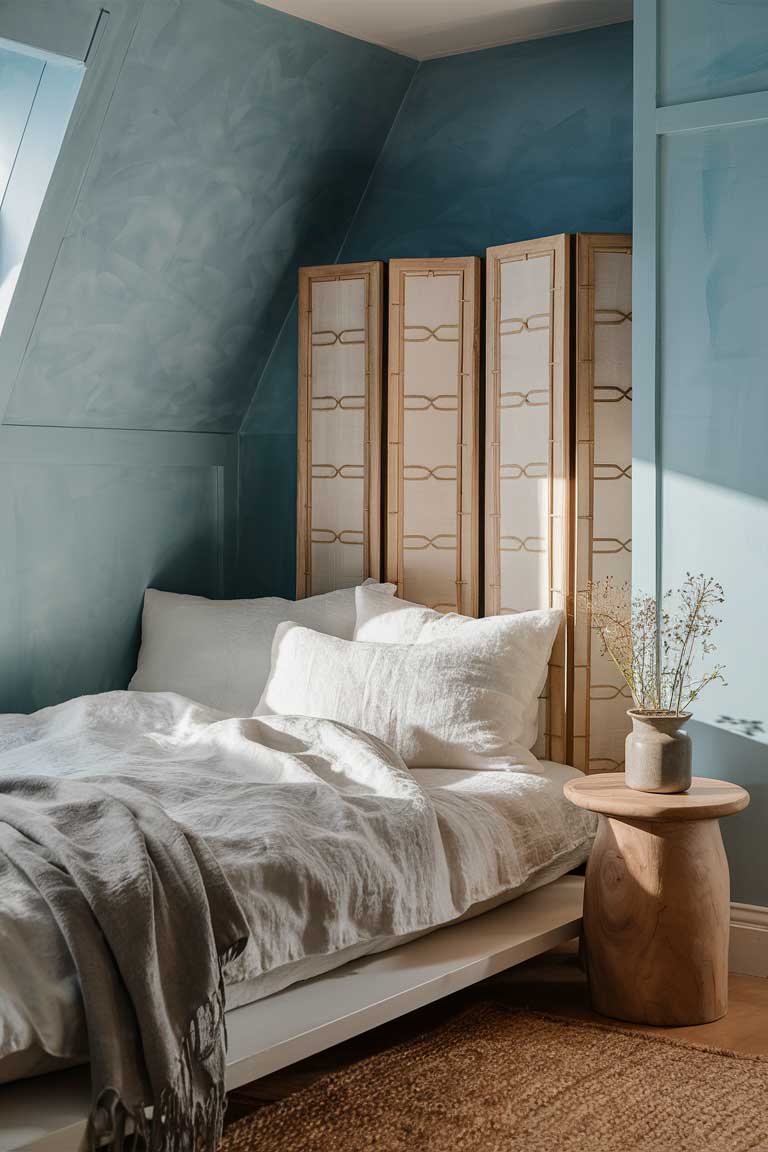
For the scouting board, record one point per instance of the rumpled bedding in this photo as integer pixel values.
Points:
(128, 889)
(325, 836)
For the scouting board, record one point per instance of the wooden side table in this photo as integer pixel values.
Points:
(657, 900)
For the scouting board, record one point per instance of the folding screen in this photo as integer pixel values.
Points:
(339, 426)
(527, 456)
(603, 486)
(548, 533)
(433, 531)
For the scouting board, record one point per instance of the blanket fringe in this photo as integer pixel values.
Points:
(184, 1118)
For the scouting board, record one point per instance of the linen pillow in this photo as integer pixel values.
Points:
(456, 702)
(388, 620)
(217, 652)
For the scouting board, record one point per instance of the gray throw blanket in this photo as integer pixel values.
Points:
(150, 921)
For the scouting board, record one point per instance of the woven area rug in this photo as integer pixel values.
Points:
(496, 1080)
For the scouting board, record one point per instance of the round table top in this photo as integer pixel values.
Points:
(706, 799)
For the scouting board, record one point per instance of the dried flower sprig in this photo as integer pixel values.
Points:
(659, 654)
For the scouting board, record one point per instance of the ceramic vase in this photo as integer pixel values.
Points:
(658, 752)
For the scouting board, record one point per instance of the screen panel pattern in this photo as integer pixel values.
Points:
(339, 426)
(603, 487)
(527, 456)
(433, 536)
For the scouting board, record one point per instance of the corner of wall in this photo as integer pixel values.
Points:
(262, 456)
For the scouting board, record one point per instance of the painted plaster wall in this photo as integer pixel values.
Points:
(237, 140)
(489, 147)
(700, 364)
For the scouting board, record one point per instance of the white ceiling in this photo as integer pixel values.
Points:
(424, 29)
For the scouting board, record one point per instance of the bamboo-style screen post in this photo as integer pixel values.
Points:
(527, 458)
(603, 541)
(339, 426)
(433, 509)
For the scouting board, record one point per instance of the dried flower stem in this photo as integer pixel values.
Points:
(658, 652)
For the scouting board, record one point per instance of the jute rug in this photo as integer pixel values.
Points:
(495, 1080)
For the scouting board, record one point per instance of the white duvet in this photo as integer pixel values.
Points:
(327, 838)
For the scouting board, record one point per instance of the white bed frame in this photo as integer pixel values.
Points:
(47, 1113)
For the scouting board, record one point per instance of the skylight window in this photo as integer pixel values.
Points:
(37, 95)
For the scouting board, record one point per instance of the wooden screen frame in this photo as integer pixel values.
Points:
(372, 272)
(587, 244)
(468, 455)
(556, 730)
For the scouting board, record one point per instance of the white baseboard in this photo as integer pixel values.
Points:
(749, 940)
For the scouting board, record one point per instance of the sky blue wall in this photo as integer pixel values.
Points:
(237, 141)
(701, 364)
(489, 147)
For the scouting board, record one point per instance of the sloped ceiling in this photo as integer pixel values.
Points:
(238, 143)
(426, 29)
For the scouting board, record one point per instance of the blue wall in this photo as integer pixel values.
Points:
(507, 144)
(489, 147)
(237, 141)
(700, 364)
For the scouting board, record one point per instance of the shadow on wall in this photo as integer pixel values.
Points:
(723, 754)
(267, 521)
(713, 400)
(311, 229)
(722, 530)
(79, 647)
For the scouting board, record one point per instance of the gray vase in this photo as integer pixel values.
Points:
(658, 754)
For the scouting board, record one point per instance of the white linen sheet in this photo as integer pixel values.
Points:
(479, 834)
(328, 840)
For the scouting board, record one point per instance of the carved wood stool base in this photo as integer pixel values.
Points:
(657, 901)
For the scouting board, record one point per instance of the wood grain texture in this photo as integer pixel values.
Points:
(705, 800)
(656, 922)
(657, 901)
(433, 430)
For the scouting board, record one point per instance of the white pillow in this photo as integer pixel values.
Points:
(456, 702)
(387, 620)
(217, 652)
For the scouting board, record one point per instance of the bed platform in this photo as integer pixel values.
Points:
(48, 1112)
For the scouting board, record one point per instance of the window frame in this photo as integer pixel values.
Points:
(81, 30)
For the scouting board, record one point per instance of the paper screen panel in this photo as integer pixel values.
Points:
(339, 457)
(603, 487)
(433, 537)
(527, 436)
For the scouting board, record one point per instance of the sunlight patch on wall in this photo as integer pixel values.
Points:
(37, 95)
(723, 533)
